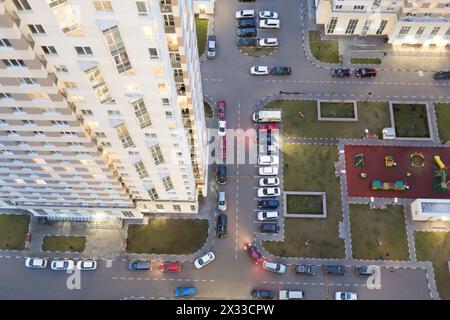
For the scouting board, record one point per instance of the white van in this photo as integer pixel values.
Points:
(268, 160)
(291, 294)
(267, 116)
(268, 171)
(222, 201)
(267, 215)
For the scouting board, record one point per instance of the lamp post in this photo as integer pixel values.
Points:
(368, 96)
(318, 52)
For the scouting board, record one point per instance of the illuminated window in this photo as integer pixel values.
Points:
(40, 181)
(117, 49)
(20, 181)
(162, 87)
(149, 32)
(103, 6)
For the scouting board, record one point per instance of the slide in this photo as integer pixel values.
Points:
(439, 162)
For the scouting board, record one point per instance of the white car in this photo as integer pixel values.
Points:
(259, 70)
(62, 264)
(346, 296)
(268, 15)
(36, 263)
(267, 215)
(203, 261)
(268, 192)
(268, 160)
(274, 267)
(268, 171)
(269, 182)
(245, 14)
(222, 128)
(87, 265)
(268, 42)
(268, 149)
(269, 24)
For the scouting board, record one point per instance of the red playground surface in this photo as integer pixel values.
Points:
(414, 167)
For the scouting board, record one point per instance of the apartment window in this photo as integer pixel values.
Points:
(178, 72)
(175, 57)
(87, 113)
(36, 29)
(382, 27)
(83, 51)
(103, 6)
(49, 49)
(106, 144)
(70, 85)
(29, 122)
(410, 14)
(157, 154)
(376, 3)
(140, 169)
(419, 32)
(427, 14)
(99, 86)
(167, 182)
(181, 89)
(339, 6)
(100, 135)
(142, 8)
(27, 81)
(332, 25)
(192, 208)
(59, 122)
(61, 68)
(404, 30)
(165, 101)
(153, 194)
(3, 121)
(13, 62)
(358, 7)
(351, 26)
(169, 20)
(141, 113)
(153, 53)
(113, 113)
(177, 208)
(5, 43)
(167, 2)
(447, 34)
(124, 136)
(38, 133)
(159, 207)
(117, 49)
(169, 114)
(22, 4)
(5, 95)
(435, 31)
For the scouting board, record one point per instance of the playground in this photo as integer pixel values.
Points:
(397, 172)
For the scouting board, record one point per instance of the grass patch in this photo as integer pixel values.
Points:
(378, 233)
(13, 229)
(167, 236)
(371, 115)
(337, 110)
(411, 120)
(365, 60)
(325, 51)
(258, 52)
(304, 204)
(435, 247)
(443, 120)
(208, 110)
(201, 27)
(311, 168)
(64, 243)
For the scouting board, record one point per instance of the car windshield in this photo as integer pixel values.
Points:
(343, 295)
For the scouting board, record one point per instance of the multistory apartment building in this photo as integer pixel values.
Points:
(412, 22)
(101, 108)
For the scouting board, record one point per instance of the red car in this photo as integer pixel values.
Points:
(273, 127)
(253, 252)
(365, 73)
(171, 267)
(221, 110)
(262, 127)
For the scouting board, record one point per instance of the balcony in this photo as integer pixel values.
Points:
(166, 8)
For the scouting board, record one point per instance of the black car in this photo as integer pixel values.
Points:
(262, 294)
(247, 42)
(442, 75)
(270, 227)
(247, 32)
(221, 174)
(305, 269)
(268, 204)
(280, 71)
(221, 226)
(340, 73)
(334, 270)
(365, 271)
(365, 73)
(246, 23)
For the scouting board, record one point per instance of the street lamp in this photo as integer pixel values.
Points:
(368, 96)
(318, 52)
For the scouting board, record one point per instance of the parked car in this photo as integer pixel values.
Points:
(221, 201)
(221, 226)
(246, 23)
(60, 265)
(171, 266)
(305, 269)
(86, 265)
(291, 295)
(270, 227)
(280, 71)
(245, 14)
(365, 73)
(268, 192)
(268, 160)
(204, 260)
(139, 265)
(259, 70)
(267, 149)
(246, 0)
(247, 32)
(221, 174)
(269, 182)
(247, 42)
(442, 75)
(268, 42)
(262, 294)
(185, 292)
(221, 110)
(269, 24)
(346, 296)
(334, 270)
(268, 204)
(268, 15)
(340, 73)
(364, 271)
(274, 267)
(268, 171)
(267, 215)
(253, 252)
(212, 47)
(222, 148)
(38, 263)
(222, 128)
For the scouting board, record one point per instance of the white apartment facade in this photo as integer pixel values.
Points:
(410, 22)
(101, 108)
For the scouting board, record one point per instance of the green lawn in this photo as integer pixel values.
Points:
(325, 51)
(411, 120)
(378, 233)
(167, 236)
(64, 243)
(257, 52)
(208, 110)
(371, 115)
(337, 110)
(304, 204)
(311, 168)
(443, 120)
(435, 247)
(201, 26)
(365, 60)
(13, 229)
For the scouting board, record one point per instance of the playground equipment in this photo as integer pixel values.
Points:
(358, 160)
(398, 185)
(439, 162)
(417, 159)
(440, 182)
(389, 161)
